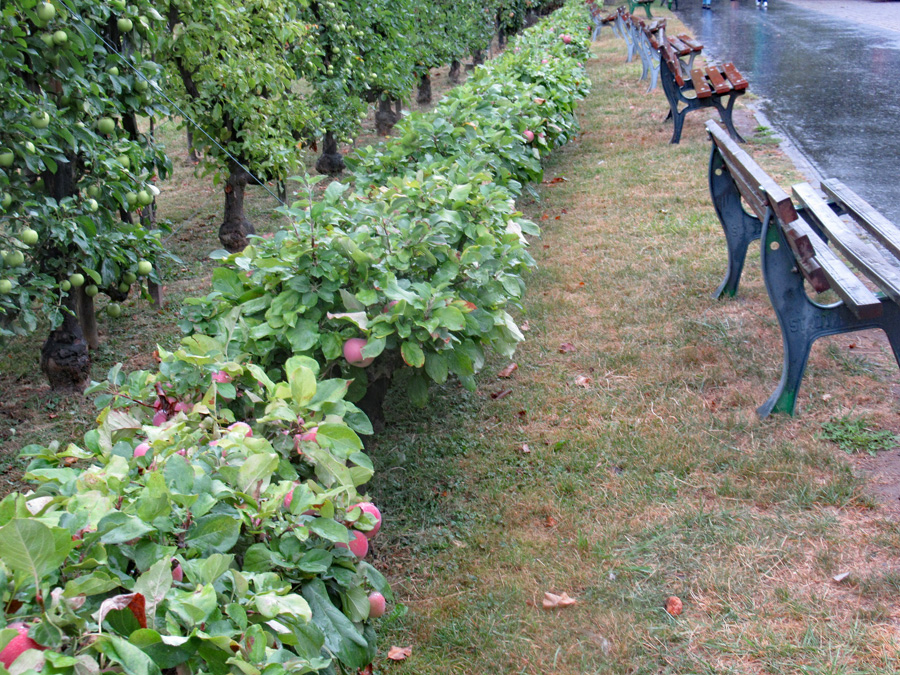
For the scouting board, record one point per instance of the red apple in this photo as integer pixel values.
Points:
(529, 135)
(241, 426)
(359, 545)
(371, 509)
(353, 352)
(566, 38)
(17, 645)
(177, 571)
(142, 449)
(288, 498)
(377, 605)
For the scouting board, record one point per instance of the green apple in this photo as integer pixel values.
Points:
(141, 85)
(5, 286)
(91, 290)
(106, 125)
(112, 70)
(144, 198)
(29, 147)
(144, 268)
(65, 285)
(6, 158)
(40, 120)
(76, 280)
(118, 5)
(124, 25)
(124, 161)
(60, 37)
(6, 200)
(92, 205)
(29, 236)
(47, 39)
(14, 259)
(131, 199)
(93, 191)
(46, 11)
(123, 287)
(114, 309)
(129, 278)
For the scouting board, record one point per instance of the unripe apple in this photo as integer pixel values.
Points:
(46, 11)
(6, 200)
(353, 352)
(112, 70)
(529, 135)
(29, 236)
(106, 125)
(124, 161)
(144, 268)
(41, 120)
(142, 449)
(5, 286)
(144, 198)
(76, 280)
(17, 645)
(6, 158)
(377, 605)
(15, 259)
(93, 191)
(129, 278)
(91, 290)
(30, 149)
(92, 205)
(114, 309)
(65, 285)
(131, 198)
(372, 510)
(124, 25)
(359, 545)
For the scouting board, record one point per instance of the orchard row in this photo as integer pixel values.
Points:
(257, 83)
(214, 521)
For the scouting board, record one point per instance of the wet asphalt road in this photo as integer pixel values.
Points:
(829, 85)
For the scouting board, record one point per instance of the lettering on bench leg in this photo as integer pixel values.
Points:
(818, 323)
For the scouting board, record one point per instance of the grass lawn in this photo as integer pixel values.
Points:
(622, 461)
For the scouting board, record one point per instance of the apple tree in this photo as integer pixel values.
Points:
(75, 167)
(228, 69)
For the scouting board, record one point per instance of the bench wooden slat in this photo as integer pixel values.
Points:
(863, 213)
(680, 48)
(671, 60)
(701, 86)
(691, 42)
(737, 80)
(859, 299)
(861, 253)
(717, 79)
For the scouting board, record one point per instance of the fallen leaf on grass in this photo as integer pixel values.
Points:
(509, 370)
(583, 381)
(555, 180)
(566, 347)
(840, 577)
(550, 522)
(525, 327)
(674, 606)
(553, 601)
(399, 653)
(503, 393)
(525, 448)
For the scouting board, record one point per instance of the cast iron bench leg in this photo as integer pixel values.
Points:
(725, 114)
(739, 226)
(803, 322)
(654, 75)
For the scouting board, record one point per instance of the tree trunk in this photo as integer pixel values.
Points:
(156, 293)
(384, 117)
(424, 95)
(64, 357)
(87, 319)
(501, 39)
(478, 57)
(193, 158)
(398, 110)
(235, 227)
(331, 161)
(454, 71)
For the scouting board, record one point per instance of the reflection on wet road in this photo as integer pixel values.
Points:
(828, 85)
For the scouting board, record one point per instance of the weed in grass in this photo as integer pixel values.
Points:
(858, 434)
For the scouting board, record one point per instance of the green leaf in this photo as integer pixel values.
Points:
(153, 585)
(216, 533)
(31, 547)
(132, 659)
(436, 367)
(258, 467)
(271, 605)
(450, 317)
(330, 529)
(341, 636)
(303, 385)
(118, 527)
(412, 354)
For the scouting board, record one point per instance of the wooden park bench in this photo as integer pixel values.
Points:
(633, 4)
(708, 87)
(599, 20)
(801, 244)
